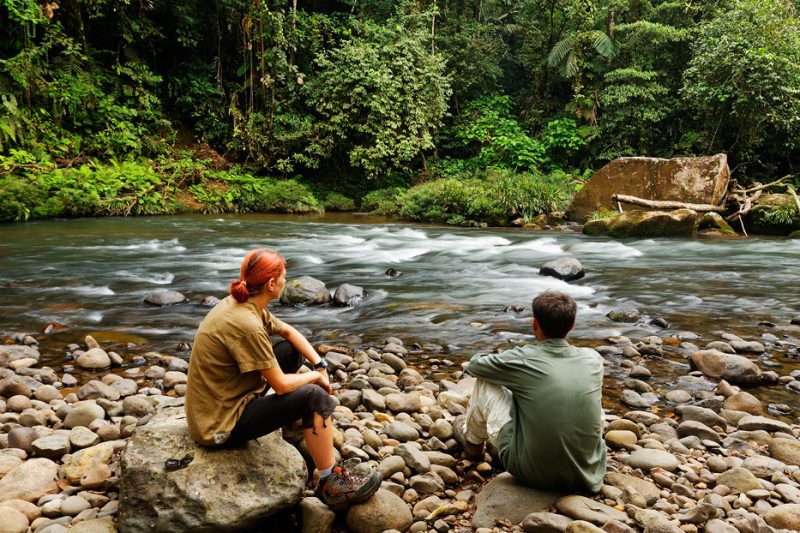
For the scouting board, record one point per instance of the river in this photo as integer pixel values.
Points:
(91, 275)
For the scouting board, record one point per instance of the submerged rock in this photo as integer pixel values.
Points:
(305, 290)
(163, 298)
(268, 478)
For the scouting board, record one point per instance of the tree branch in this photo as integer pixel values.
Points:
(666, 204)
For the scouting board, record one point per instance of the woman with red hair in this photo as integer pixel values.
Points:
(234, 363)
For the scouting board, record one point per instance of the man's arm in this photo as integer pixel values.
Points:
(498, 368)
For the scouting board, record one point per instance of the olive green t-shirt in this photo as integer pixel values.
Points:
(230, 348)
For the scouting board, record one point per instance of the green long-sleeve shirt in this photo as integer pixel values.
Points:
(554, 438)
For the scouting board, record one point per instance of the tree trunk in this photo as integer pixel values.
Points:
(666, 204)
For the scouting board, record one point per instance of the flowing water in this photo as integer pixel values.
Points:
(91, 275)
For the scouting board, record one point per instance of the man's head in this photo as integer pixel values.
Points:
(553, 315)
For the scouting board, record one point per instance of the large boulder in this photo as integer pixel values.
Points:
(731, 368)
(164, 297)
(698, 180)
(713, 224)
(506, 498)
(644, 224)
(219, 490)
(758, 220)
(305, 290)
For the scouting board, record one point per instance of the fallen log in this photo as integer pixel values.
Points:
(666, 204)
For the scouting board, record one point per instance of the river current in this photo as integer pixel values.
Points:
(91, 276)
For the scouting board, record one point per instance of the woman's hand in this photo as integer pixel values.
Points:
(323, 380)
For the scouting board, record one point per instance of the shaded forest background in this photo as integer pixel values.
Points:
(128, 103)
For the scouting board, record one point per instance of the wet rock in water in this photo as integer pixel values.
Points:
(660, 322)
(785, 516)
(565, 268)
(678, 396)
(392, 273)
(721, 346)
(796, 320)
(747, 346)
(713, 224)
(347, 295)
(731, 368)
(627, 315)
(743, 401)
(634, 399)
(785, 450)
(544, 522)
(209, 301)
(384, 511)
(94, 359)
(305, 290)
(513, 309)
(646, 458)
(164, 297)
(505, 498)
(30, 481)
(644, 224)
(190, 498)
(583, 508)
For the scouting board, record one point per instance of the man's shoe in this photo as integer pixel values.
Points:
(472, 451)
(343, 488)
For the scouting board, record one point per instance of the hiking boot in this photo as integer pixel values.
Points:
(343, 488)
(472, 451)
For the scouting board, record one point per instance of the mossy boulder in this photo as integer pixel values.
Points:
(773, 214)
(713, 224)
(305, 290)
(795, 235)
(644, 224)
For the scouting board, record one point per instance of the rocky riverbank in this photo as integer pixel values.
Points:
(701, 454)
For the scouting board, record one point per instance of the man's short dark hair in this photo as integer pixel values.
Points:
(555, 313)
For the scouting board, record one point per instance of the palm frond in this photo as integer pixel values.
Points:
(560, 51)
(605, 45)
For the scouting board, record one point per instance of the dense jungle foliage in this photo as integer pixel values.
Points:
(446, 110)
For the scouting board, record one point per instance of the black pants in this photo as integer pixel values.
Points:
(270, 412)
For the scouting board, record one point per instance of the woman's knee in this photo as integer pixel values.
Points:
(317, 401)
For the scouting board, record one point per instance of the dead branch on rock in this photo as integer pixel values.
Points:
(760, 187)
(746, 205)
(666, 204)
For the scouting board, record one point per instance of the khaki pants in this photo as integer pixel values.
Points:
(488, 411)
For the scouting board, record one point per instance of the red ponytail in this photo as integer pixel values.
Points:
(258, 267)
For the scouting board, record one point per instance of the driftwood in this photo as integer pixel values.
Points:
(745, 206)
(794, 195)
(665, 204)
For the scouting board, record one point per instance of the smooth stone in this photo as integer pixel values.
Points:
(699, 430)
(564, 268)
(624, 425)
(786, 516)
(78, 463)
(22, 438)
(401, 431)
(678, 396)
(52, 447)
(646, 488)
(716, 525)
(305, 290)
(647, 459)
(95, 389)
(739, 479)
(763, 467)
(72, 505)
(743, 401)
(173, 378)
(96, 525)
(700, 414)
(315, 516)
(84, 415)
(505, 498)
(413, 457)
(30, 510)
(731, 368)
(373, 400)
(30, 481)
(384, 511)
(347, 295)
(583, 508)
(634, 399)
(620, 439)
(94, 359)
(8, 463)
(403, 403)
(544, 522)
(654, 521)
(785, 450)
(12, 521)
(164, 297)
(83, 437)
(581, 526)
(753, 423)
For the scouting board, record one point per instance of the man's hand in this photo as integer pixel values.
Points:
(323, 380)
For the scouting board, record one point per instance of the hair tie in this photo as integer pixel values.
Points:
(243, 282)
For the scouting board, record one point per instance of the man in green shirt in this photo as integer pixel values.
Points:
(540, 405)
